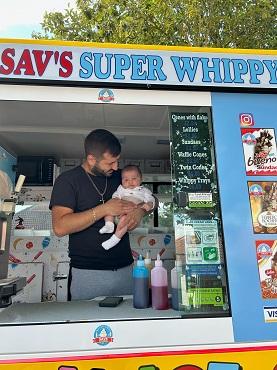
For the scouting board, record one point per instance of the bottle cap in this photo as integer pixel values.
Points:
(158, 261)
(140, 261)
(147, 259)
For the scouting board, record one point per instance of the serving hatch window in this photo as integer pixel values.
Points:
(185, 228)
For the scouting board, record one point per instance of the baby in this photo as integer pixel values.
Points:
(132, 191)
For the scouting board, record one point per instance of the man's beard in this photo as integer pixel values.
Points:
(97, 171)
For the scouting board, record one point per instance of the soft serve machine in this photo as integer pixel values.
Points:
(8, 286)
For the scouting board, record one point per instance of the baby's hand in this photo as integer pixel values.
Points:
(147, 206)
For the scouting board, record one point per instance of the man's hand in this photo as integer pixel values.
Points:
(133, 218)
(117, 207)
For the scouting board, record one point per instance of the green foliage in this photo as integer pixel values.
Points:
(212, 23)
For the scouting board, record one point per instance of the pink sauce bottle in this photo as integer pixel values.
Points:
(159, 286)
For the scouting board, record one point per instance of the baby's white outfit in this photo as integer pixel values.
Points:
(137, 195)
(140, 194)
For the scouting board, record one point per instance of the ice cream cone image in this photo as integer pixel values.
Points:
(256, 208)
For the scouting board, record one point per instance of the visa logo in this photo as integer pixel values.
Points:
(270, 314)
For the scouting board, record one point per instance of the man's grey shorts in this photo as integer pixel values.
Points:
(88, 284)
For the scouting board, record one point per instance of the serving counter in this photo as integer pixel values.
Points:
(78, 311)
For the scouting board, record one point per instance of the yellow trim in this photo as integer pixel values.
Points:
(140, 47)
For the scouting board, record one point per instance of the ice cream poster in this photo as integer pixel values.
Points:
(263, 202)
(266, 251)
(260, 154)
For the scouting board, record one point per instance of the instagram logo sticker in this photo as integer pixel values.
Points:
(246, 119)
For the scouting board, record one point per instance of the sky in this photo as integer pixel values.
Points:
(19, 18)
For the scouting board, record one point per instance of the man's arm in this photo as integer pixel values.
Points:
(65, 221)
(134, 218)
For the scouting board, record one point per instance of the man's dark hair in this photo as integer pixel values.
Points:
(101, 141)
(131, 167)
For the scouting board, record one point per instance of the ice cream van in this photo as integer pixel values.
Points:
(200, 123)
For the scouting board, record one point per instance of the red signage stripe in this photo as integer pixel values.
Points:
(143, 354)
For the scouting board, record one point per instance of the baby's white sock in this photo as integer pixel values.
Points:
(108, 228)
(108, 244)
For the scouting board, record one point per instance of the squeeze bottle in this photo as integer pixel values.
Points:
(140, 285)
(159, 286)
(176, 285)
(149, 266)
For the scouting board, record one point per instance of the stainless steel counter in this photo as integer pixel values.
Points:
(77, 311)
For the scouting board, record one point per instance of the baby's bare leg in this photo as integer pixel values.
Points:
(108, 228)
(121, 229)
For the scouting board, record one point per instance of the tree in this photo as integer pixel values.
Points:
(212, 23)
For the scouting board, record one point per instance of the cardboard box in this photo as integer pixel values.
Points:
(69, 163)
(154, 166)
(136, 162)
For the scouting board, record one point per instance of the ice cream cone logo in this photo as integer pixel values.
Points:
(103, 335)
(106, 96)
(249, 139)
(256, 190)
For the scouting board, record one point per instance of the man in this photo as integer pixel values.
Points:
(80, 200)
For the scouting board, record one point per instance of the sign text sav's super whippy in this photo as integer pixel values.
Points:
(166, 66)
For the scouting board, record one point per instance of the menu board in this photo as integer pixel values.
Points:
(197, 227)
(191, 157)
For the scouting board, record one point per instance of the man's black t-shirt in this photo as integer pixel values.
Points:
(73, 189)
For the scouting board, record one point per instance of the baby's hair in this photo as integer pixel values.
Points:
(132, 167)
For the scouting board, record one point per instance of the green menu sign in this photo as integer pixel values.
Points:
(191, 153)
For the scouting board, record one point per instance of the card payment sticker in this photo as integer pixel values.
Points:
(224, 366)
